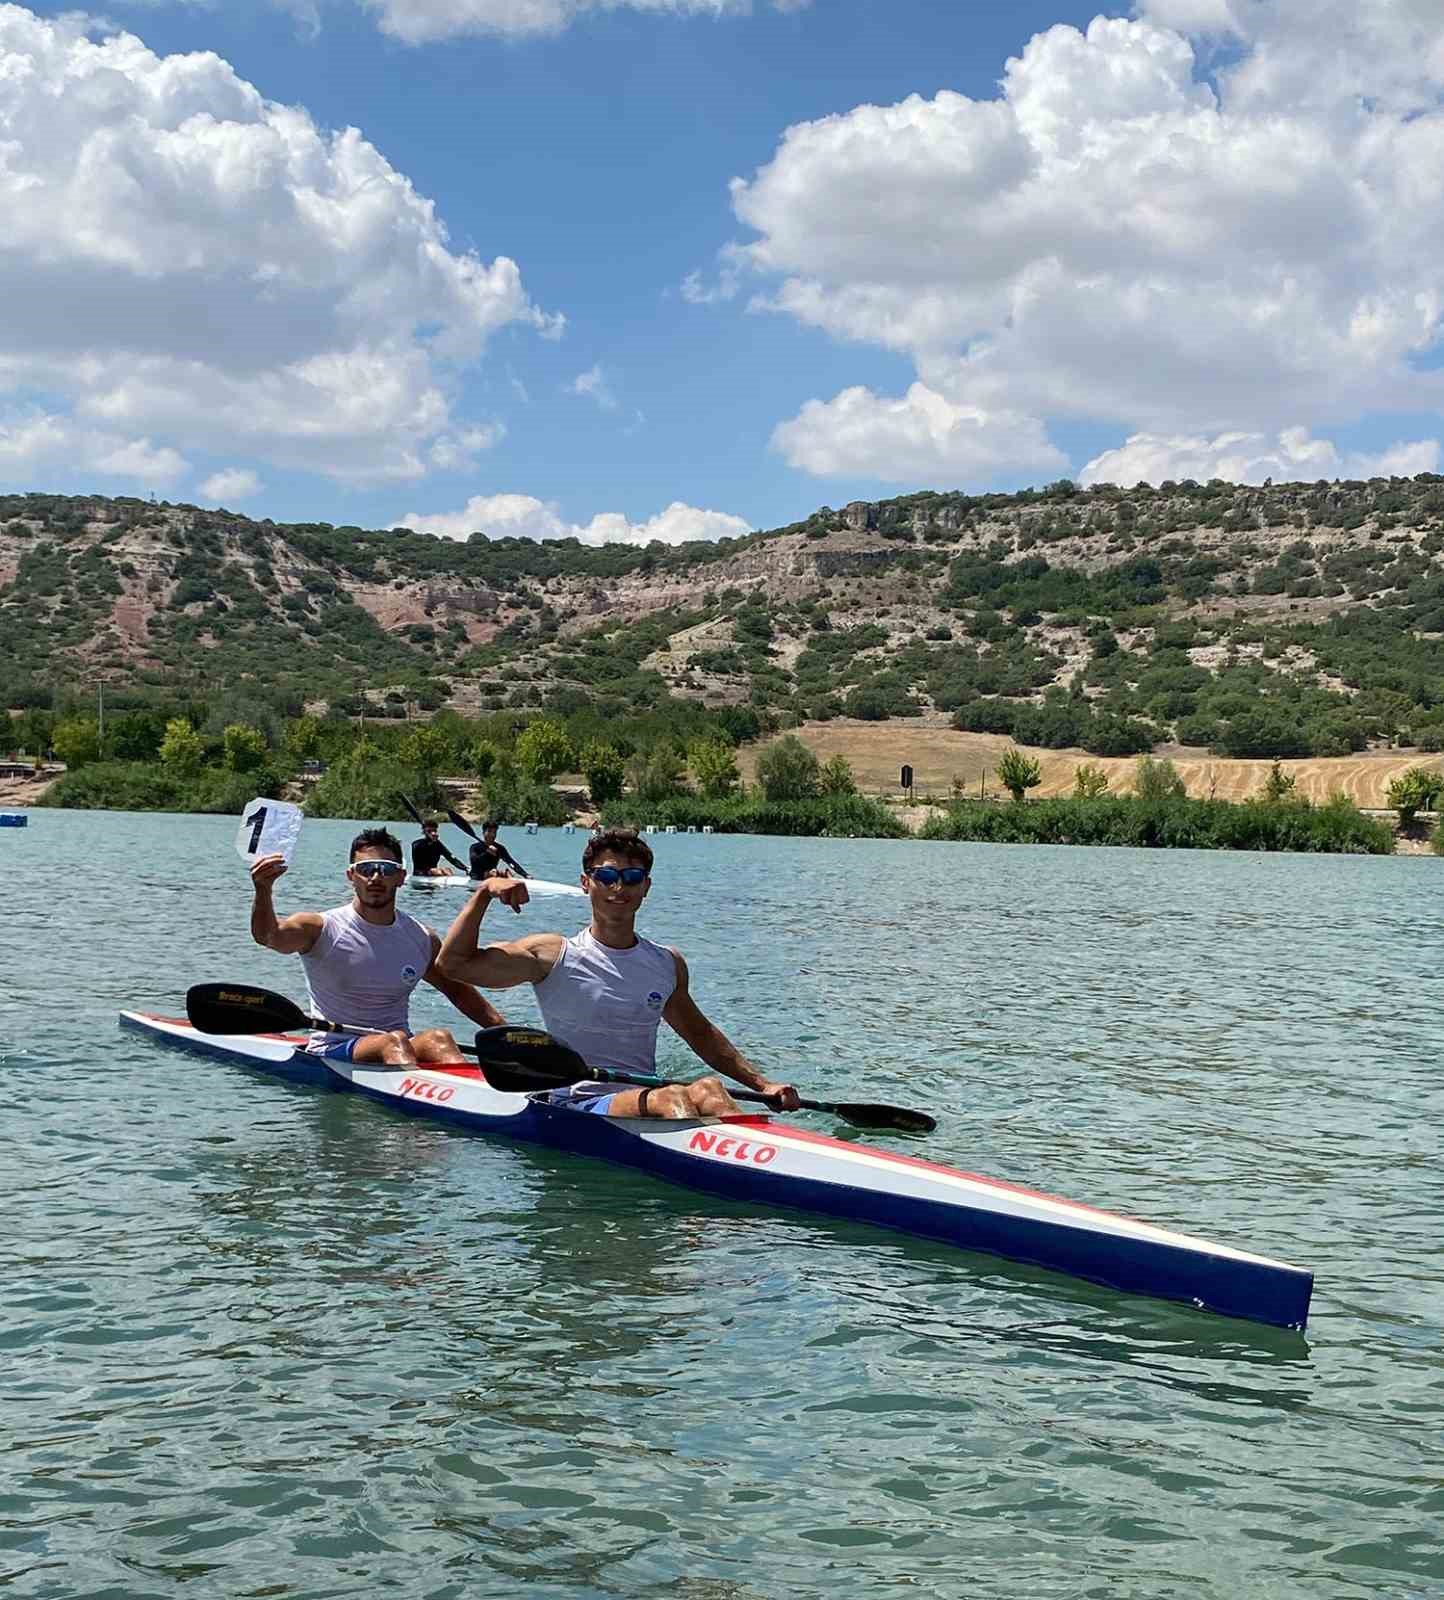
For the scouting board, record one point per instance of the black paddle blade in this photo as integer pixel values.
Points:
(459, 821)
(414, 813)
(240, 1008)
(896, 1117)
(518, 1060)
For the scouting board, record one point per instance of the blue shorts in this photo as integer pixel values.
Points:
(336, 1049)
(594, 1097)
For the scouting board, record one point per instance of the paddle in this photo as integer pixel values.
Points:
(420, 822)
(519, 1060)
(460, 821)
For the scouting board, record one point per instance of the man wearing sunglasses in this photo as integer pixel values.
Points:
(605, 990)
(362, 961)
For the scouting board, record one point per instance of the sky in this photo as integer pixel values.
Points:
(672, 269)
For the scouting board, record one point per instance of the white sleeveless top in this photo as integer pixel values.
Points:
(605, 1003)
(363, 972)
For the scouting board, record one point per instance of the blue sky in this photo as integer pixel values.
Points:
(1191, 240)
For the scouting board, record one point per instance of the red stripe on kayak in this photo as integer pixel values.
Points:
(804, 1137)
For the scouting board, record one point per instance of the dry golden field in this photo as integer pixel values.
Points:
(938, 754)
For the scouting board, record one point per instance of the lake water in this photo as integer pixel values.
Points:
(265, 1341)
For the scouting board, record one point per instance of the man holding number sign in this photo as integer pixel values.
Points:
(362, 960)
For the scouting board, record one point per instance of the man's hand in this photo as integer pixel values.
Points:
(266, 869)
(782, 1095)
(510, 891)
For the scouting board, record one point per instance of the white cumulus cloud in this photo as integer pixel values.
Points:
(1120, 239)
(500, 516)
(35, 442)
(920, 437)
(203, 265)
(423, 21)
(231, 484)
(1252, 457)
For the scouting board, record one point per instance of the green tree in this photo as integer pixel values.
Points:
(1156, 781)
(243, 747)
(1018, 773)
(713, 766)
(602, 766)
(134, 736)
(1089, 782)
(303, 739)
(543, 750)
(1279, 786)
(837, 776)
(1415, 790)
(788, 770)
(76, 740)
(657, 776)
(481, 757)
(181, 748)
(425, 748)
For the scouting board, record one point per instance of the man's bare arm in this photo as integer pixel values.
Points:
(463, 996)
(496, 966)
(290, 936)
(685, 1017)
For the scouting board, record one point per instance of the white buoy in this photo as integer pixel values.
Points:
(706, 827)
(569, 827)
(531, 827)
(671, 827)
(691, 827)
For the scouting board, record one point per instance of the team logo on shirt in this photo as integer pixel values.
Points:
(410, 973)
(654, 1001)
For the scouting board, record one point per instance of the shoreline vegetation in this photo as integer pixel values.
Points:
(667, 781)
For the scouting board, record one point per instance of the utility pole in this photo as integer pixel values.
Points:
(100, 732)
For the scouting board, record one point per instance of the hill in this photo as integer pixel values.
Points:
(1296, 620)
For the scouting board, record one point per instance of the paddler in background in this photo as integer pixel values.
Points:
(362, 961)
(427, 851)
(605, 990)
(488, 853)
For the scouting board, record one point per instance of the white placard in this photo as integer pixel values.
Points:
(268, 828)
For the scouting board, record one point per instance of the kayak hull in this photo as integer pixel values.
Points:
(765, 1162)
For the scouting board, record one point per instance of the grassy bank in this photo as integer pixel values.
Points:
(844, 816)
(145, 786)
(1337, 826)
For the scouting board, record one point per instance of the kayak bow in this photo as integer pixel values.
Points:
(771, 1163)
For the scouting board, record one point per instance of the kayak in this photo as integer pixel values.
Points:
(536, 886)
(13, 819)
(770, 1163)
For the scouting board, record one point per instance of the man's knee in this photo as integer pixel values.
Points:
(436, 1044)
(708, 1098)
(397, 1050)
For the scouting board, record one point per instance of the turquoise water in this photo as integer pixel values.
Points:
(265, 1341)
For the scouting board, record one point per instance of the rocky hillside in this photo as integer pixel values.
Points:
(1056, 615)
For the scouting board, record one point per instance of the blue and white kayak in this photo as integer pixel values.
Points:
(773, 1164)
(534, 886)
(13, 819)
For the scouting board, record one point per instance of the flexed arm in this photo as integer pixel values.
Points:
(496, 966)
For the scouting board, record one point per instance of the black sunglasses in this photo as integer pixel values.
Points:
(610, 876)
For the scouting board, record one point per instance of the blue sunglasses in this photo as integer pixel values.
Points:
(608, 877)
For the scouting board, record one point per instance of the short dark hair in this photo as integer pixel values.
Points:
(489, 826)
(624, 842)
(375, 839)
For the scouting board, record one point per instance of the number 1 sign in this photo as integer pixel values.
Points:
(268, 828)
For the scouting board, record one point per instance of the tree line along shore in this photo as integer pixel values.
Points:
(673, 766)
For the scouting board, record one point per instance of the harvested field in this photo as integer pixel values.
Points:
(938, 754)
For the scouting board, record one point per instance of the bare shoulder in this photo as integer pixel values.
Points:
(679, 961)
